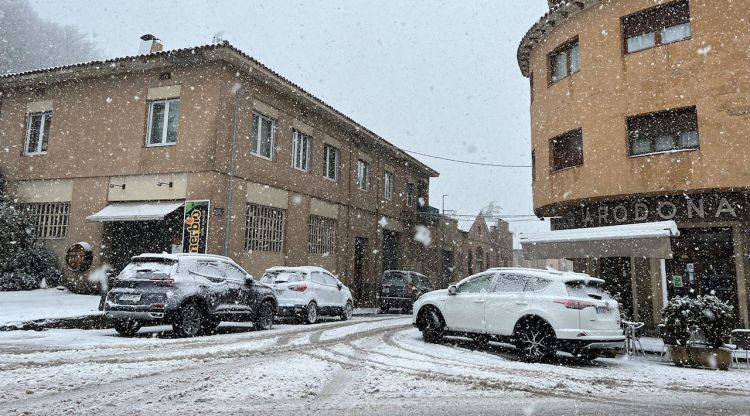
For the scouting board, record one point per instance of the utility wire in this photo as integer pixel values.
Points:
(497, 165)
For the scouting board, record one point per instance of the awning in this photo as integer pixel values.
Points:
(135, 211)
(652, 240)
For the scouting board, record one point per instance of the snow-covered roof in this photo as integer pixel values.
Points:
(192, 56)
(614, 232)
(178, 256)
(135, 211)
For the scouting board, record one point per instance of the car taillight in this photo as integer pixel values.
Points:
(164, 281)
(298, 288)
(575, 304)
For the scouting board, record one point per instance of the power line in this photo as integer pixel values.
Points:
(497, 165)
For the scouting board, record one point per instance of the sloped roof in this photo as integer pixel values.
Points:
(188, 56)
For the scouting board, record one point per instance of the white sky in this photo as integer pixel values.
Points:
(437, 77)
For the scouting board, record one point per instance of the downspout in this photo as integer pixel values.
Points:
(232, 163)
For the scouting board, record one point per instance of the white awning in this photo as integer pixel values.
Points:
(135, 211)
(652, 240)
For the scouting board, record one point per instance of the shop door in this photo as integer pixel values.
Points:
(703, 264)
(390, 250)
(617, 281)
(125, 239)
(360, 271)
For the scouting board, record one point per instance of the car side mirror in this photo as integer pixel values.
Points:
(249, 281)
(452, 290)
(340, 285)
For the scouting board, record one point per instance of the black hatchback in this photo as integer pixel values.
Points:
(191, 292)
(400, 288)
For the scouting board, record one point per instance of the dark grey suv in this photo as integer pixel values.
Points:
(400, 288)
(192, 292)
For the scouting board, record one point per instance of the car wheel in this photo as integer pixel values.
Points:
(432, 326)
(347, 311)
(311, 313)
(189, 321)
(536, 342)
(127, 328)
(265, 316)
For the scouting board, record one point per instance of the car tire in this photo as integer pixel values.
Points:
(536, 342)
(127, 328)
(189, 321)
(266, 313)
(347, 311)
(432, 326)
(311, 313)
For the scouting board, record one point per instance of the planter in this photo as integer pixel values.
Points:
(702, 357)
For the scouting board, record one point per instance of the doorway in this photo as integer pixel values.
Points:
(391, 240)
(125, 239)
(447, 274)
(360, 266)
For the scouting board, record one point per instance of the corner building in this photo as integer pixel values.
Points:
(640, 114)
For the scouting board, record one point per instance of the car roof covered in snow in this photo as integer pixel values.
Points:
(303, 269)
(178, 256)
(549, 274)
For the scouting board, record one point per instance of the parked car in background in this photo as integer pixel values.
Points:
(192, 292)
(400, 288)
(309, 292)
(539, 311)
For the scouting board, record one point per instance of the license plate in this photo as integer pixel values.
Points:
(602, 309)
(130, 298)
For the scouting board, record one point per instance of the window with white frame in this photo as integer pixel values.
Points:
(301, 151)
(49, 219)
(410, 195)
(264, 228)
(363, 175)
(330, 162)
(388, 185)
(163, 122)
(262, 136)
(322, 235)
(37, 132)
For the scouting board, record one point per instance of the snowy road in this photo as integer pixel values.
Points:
(375, 365)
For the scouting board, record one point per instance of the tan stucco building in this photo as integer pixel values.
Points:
(109, 153)
(641, 113)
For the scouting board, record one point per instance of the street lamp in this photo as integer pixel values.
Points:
(444, 195)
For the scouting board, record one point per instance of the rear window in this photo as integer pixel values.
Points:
(580, 289)
(396, 279)
(282, 276)
(136, 269)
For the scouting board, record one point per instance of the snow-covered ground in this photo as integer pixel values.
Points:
(373, 365)
(30, 305)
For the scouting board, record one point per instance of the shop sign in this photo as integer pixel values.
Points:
(677, 281)
(195, 226)
(79, 257)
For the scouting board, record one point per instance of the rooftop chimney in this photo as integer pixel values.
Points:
(149, 44)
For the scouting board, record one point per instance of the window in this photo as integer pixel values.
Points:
(37, 132)
(388, 185)
(479, 284)
(317, 277)
(163, 122)
(660, 25)
(234, 274)
(363, 175)
(49, 219)
(565, 60)
(262, 136)
(330, 280)
(663, 131)
(536, 284)
(322, 235)
(567, 150)
(510, 283)
(410, 195)
(301, 151)
(264, 228)
(330, 162)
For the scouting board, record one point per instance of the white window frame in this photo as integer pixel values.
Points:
(301, 143)
(330, 170)
(388, 185)
(363, 175)
(165, 123)
(264, 231)
(322, 235)
(255, 151)
(42, 131)
(50, 219)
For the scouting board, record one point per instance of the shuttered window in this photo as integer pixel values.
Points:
(49, 219)
(265, 228)
(322, 235)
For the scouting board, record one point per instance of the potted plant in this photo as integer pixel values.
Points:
(707, 315)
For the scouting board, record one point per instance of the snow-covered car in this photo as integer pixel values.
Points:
(192, 292)
(400, 288)
(309, 292)
(538, 311)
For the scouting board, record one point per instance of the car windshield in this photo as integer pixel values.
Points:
(139, 268)
(282, 276)
(581, 289)
(396, 279)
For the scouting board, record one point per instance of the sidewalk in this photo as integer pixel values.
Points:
(31, 309)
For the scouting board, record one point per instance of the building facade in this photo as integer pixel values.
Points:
(640, 113)
(136, 154)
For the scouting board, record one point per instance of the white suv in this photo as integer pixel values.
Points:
(538, 311)
(309, 292)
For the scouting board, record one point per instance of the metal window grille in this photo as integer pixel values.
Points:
(50, 219)
(322, 235)
(265, 228)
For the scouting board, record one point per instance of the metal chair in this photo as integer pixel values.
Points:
(668, 340)
(633, 338)
(741, 341)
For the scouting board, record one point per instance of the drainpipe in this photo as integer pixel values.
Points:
(232, 163)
